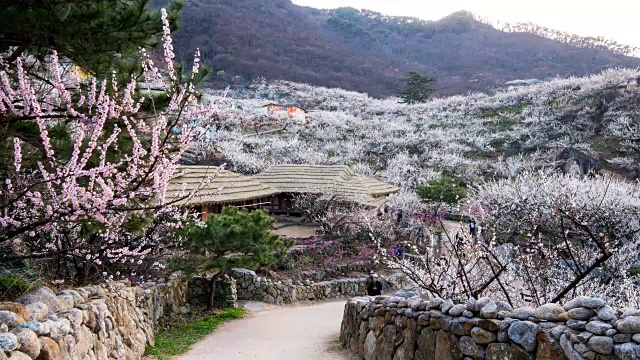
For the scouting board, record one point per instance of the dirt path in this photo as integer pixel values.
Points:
(281, 333)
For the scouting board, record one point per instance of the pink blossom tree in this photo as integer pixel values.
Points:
(99, 208)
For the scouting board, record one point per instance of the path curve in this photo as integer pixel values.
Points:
(293, 332)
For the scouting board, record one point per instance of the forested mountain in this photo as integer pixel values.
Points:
(368, 52)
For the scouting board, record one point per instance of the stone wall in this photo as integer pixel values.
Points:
(398, 328)
(111, 321)
(226, 293)
(253, 287)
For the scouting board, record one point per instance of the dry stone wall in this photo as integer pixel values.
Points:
(111, 321)
(399, 328)
(250, 286)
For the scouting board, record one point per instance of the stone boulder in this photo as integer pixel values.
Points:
(629, 325)
(524, 334)
(548, 312)
(28, 340)
(43, 295)
(571, 158)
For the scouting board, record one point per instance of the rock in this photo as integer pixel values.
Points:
(471, 304)
(400, 354)
(498, 351)
(480, 303)
(621, 338)
(611, 332)
(548, 347)
(8, 342)
(446, 306)
(461, 326)
(426, 344)
(601, 344)
(524, 334)
(489, 311)
(581, 313)
(503, 306)
(482, 336)
(28, 340)
(558, 331)
(585, 302)
(636, 338)
(626, 312)
(43, 295)
(434, 303)
(564, 317)
(467, 314)
(523, 313)
(18, 355)
(20, 309)
(629, 325)
(487, 324)
(470, 348)
(583, 337)
(38, 311)
(584, 350)
(49, 349)
(606, 313)
(444, 346)
(549, 312)
(518, 353)
(457, 310)
(570, 156)
(11, 319)
(598, 327)
(576, 324)
(628, 351)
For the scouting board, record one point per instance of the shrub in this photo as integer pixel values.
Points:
(13, 286)
(444, 189)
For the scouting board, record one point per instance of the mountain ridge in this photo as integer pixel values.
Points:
(368, 52)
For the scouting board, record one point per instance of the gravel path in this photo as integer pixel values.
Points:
(280, 333)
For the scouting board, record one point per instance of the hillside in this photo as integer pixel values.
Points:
(368, 52)
(592, 122)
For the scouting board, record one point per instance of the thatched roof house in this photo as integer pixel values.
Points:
(275, 188)
(330, 180)
(218, 188)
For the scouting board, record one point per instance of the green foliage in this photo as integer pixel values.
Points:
(234, 238)
(514, 109)
(12, 286)
(445, 189)
(177, 341)
(96, 35)
(417, 87)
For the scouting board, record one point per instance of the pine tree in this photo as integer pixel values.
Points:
(417, 87)
(93, 34)
(234, 238)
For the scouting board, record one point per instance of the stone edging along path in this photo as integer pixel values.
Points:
(117, 321)
(398, 328)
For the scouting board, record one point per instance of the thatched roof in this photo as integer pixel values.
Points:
(331, 180)
(217, 187)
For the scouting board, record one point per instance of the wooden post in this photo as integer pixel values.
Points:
(205, 212)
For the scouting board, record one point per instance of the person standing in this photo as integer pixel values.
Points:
(374, 286)
(473, 227)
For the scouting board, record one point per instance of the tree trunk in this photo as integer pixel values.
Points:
(214, 280)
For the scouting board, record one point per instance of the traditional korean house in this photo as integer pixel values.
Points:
(218, 189)
(274, 189)
(337, 182)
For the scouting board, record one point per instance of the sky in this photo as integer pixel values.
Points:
(614, 19)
